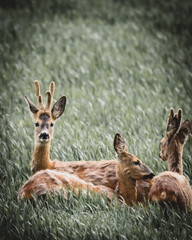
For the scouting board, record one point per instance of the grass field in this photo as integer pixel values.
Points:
(121, 65)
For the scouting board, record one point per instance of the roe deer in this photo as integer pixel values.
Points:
(53, 181)
(97, 172)
(44, 118)
(129, 169)
(103, 173)
(171, 186)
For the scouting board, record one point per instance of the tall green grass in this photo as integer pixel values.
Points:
(121, 65)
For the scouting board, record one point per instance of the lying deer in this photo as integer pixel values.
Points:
(129, 169)
(96, 172)
(44, 118)
(53, 181)
(171, 186)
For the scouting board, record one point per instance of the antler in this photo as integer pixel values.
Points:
(171, 116)
(173, 122)
(50, 96)
(179, 116)
(39, 97)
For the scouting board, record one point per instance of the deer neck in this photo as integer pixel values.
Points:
(40, 158)
(127, 188)
(175, 158)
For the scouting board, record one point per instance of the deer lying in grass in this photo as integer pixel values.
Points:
(44, 118)
(171, 186)
(53, 181)
(129, 169)
(96, 172)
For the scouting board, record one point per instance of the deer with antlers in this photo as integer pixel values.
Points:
(99, 173)
(171, 186)
(44, 118)
(129, 169)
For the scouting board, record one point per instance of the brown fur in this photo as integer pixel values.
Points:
(171, 186)
(129, 170)
(54, 181)
(40, 158)
(44, 118)
(101, 173)
(172, 144)
(96, 172)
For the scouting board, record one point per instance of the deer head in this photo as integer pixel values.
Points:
(129, 164)
(45, 117)
(176, 135)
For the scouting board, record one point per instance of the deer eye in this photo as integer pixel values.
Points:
(51, 124)
(36, 124)
(136, 163)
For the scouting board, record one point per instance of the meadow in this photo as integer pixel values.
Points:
(121, 65)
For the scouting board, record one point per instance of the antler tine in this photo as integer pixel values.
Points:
(50, 96)
(52, 88)
(37, 88)
(171, 115)
(41, 107)
(48, 106)
(39, 97)
(179, 116)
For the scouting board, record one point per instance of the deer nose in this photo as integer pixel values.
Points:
(151, 175)
(44, 136)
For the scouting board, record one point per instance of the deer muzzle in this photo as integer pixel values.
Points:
(150, 176)
(44, 136)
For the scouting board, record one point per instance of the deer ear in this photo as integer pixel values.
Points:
(184, 131)
(32, 107)
(120, 145)
(59, 107)
(172, 127)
